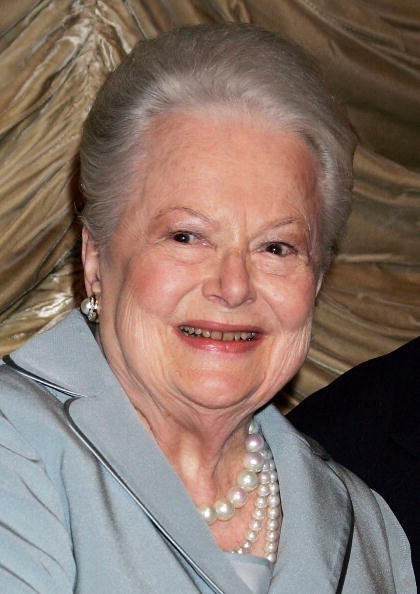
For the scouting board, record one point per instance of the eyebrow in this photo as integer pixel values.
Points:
(283, 223)
(185, 209)
(205, 219)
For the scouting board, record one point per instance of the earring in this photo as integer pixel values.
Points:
(89, 307)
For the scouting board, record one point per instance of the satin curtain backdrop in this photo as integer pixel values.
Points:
(54, 56)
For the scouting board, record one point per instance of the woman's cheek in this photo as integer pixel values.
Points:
(293, 300)
(157, 286)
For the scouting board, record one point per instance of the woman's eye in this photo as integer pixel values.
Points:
(184, 237)
(280, 249)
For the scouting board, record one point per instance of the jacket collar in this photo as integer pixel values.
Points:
(317, 509)
(57, 357)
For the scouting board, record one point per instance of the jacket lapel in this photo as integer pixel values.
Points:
(130, 452)
(318, 516)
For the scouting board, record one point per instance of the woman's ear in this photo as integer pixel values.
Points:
(90, 258)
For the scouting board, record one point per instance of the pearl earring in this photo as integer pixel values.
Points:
(89, 307)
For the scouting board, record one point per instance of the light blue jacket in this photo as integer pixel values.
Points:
(89, 504)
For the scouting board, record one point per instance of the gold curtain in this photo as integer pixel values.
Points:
(56, 53)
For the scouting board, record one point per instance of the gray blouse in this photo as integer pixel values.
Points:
(255, 571)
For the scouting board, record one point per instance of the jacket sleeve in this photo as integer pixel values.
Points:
(399, 549)
(35, 544)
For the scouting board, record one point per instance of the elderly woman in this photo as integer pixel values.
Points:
(140, 454)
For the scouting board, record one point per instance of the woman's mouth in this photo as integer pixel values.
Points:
(219, 335)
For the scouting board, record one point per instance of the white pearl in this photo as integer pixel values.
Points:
(273, 476)
(247, 546)
(274, 488)
(273, 500)
(208, 513)
(272, 536)
(252, 535)
(264, 477)
(248, 480)
(273, 524)
(256, 525)
(261, 502)
(272, 557)
(270, 547)
(253, 461)
(254, 442)
(224, 510)
(258, 514)
(237, 496)
(272, 465)
(263, 490)
(273, 512)
(85, 306)
(240, 551)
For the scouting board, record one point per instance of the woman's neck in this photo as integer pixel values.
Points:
(205, 449)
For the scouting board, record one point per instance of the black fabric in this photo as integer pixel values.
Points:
(368, 420)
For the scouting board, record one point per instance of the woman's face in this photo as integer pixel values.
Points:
(208, 287)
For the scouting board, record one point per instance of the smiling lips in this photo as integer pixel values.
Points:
(218, 335)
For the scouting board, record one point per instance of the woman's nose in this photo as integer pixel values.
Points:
(230, 283)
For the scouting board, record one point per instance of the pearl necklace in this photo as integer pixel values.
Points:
(259, 472)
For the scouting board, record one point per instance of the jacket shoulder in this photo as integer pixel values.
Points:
(36, 415)
(21, 397)
(34, 519)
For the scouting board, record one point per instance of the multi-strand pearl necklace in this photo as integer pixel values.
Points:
(259, 473)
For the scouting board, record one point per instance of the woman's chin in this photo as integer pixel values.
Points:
(218, 391)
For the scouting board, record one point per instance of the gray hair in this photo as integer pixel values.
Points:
(232, 65)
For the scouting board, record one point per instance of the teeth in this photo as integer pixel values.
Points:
(228, 336)
(217, 334)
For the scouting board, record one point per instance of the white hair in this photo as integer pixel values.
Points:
(233, 65)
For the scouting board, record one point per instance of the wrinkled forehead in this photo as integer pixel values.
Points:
(214, 147)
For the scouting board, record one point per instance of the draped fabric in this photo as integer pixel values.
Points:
(54, 54)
